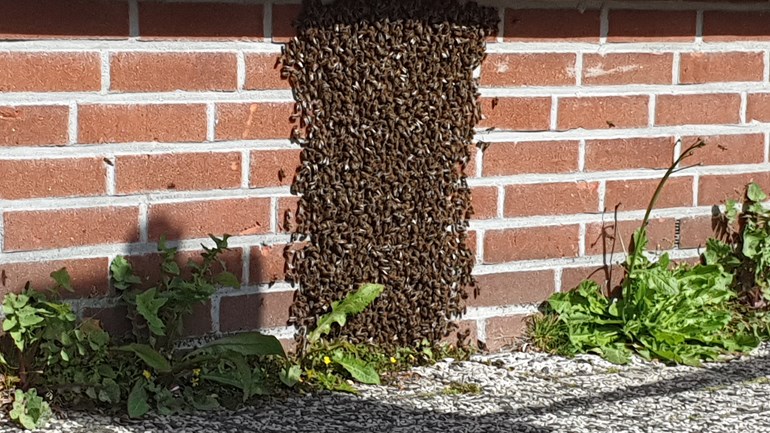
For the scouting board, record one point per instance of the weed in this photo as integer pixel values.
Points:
(459, 388)
(29, 409)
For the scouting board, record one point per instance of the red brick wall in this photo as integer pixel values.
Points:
(124, 120)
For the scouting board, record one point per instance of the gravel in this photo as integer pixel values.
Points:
(506, 392)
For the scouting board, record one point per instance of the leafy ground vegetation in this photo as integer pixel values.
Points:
(52, 360)
(676, 313)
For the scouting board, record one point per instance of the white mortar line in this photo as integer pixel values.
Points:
(274, 214)
(215, 308)
(699, 27)
(72, 127)
(481, 329)
(105, 71)
(601, 192)
(256, 289)
(133, 18)
(582, 155)
(651, 107)
(642, 5)
(767, 147)
(480, 313)
(766, 74)
(131, 45)
(554, 120)
(211, 121)
(267, 21)
(245, 168)
(626, 90)
(479, 247)
(743, 109)
(144, 221)
(604, 24)
(557, 276)
(99, 150)
(2, 234)
(110, 178)
(695, 186)
(150, 98)
(677, 147)
(245, 266)
(479, 162)
(582, 239)
(139, 248)
(241, 70)
(500, 25)
(501, 201)
(624, 48)
(615, 133)
(579, 68)
(676, 68)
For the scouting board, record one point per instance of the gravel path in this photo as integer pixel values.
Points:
(513, 392)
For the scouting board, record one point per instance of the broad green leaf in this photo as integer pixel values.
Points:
(150, 356)
(290, 375)
(227, 279)
(247, 343)
(123, 274)
(110, 392)
(137, 400)
(755, 193)
(62, 279)
(360, 370)
(352, 304)
(148, 305)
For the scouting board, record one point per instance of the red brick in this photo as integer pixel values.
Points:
(548, 25)
(284, 16)
(572, 277)
(502, 159)
(523, 114)
(55, 19)
(484, 201)
(287, 214)
(636, 194)
(218, 217)
(727, 26)
(629, 153)
(148, 266)
(114, 320)
(651, 25)
(512, 288)
(500, 70)
(258, 311)
(695, 231)
(551, 199)
(470, 168)
(758, 107)
(186, 171)
(62, 228)
(198, 322)
(267, 264)
(697, 109)
(254, 121)
(49, 72)
(33, 125)
(273, 167)
(213, 20)
(150, 122)
(660, 232)
(470, 242)
(727, 149)
(627, 68)
(263, 72)
(696, 68)
(531, 243)
(89, 276)
(504, 331)
(717, 189)
(166, 72)
(603, 112)
(36, 178)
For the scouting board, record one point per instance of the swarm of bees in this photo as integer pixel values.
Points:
(388, 103)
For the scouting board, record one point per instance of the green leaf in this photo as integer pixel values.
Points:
(150, 356)
(137, 400)
(123, 274)
(247, 343)
(148, 305)
(62, 279)
(755, 193)
(352, 304)
(227, 279)
(360, 370)
(110, 392)
(290, 375)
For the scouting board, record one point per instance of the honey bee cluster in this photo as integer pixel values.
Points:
(387, 104)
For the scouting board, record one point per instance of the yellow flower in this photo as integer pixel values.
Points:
(327, 360)
(196, 372)
(147, 374)
(392, 360)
